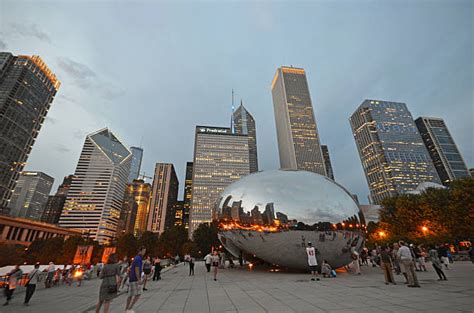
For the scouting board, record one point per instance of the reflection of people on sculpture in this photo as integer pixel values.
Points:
(326, 269)
(312, 262)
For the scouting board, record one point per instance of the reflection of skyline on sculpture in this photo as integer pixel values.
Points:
(275, 201)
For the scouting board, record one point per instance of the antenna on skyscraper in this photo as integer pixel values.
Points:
(232, 117)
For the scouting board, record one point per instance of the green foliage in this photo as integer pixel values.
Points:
(205, 237)
(127, 245)
(11, 254)
(69, 249)
(447, 214)
(190, 248)
(171, 241)
(149, 240)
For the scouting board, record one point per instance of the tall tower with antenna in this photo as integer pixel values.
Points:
(232, 124)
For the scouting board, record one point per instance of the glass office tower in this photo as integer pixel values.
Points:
(297, 133)
(244, 124)
(443, 150)
(31, 195)
(220, 158)
(393, 155)
(137, 156)
(27, 89)
(327, 161)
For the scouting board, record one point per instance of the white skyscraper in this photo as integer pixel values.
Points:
(95, 198)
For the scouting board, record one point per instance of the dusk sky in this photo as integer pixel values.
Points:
(152, 71)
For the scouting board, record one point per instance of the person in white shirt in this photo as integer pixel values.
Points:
(207, 261)
(312, 262)
(49, 278)
(406, 258)
(31, 284)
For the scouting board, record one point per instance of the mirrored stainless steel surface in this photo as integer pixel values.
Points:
(272, 215)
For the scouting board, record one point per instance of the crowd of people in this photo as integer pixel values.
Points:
(396, 259)
(402, 258)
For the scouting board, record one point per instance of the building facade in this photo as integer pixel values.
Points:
(27, 89)
(393, 155)
(135, 209)
(220, 158)
(442, 149)
(178, 213)
(297, 133)
(244, 124)
(55, 204)
(94, 201)
(31, 195)
(327, 161)
(164, 196)
(21, 231)
(137, 156)
(188, 190)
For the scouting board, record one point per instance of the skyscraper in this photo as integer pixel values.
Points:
(188, 189)
(393, 155)
(30, 195)
(220, 158)
(137, 155)
(178, 213)
(95, 198)
(244, 124)
(27, 89)
(164, 196)
(55, 204)
(297, 132)
(443, 150)
(327, 161)
(135, 208)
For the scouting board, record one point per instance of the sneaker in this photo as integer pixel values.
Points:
(130, 311)
(312, 279)
(317, 279)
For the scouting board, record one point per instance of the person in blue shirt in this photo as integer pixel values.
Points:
(135, 280)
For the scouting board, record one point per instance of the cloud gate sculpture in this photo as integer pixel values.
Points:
(272, 215)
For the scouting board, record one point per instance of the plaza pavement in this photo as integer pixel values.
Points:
(241, 290)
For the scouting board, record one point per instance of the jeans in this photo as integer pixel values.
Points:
(30, 290)
(208, 267)
(9, 293)
(439, 271)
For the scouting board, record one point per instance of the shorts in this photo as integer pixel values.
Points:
(147, 272)
(134, 289)
(313, 268)
(215, 264)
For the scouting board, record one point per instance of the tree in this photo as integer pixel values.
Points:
(171, 241)
(51, 250)
(190, 248)
(205, 237)
(11, 255)
(150, 241)
(435, 216)
(127, 245)
(69, 249)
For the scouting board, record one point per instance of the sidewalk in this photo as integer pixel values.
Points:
(240, 290)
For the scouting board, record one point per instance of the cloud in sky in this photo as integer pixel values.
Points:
(174, 67)
(29, 30)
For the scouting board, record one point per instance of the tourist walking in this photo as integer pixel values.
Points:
(355, 260)
(436, 262)
(207, 261)
(191, 265)
(386, 265)
(215, 263)
(123, 272)
(395, 259)
(50, 275)
(135, 281)
(157, 271)
(146, 271)
(408, 263)
(110, 275)
(12, 278)
(312, 262)
(31, 283)
(443, 254)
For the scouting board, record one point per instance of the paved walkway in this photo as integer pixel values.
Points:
(239, 290)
